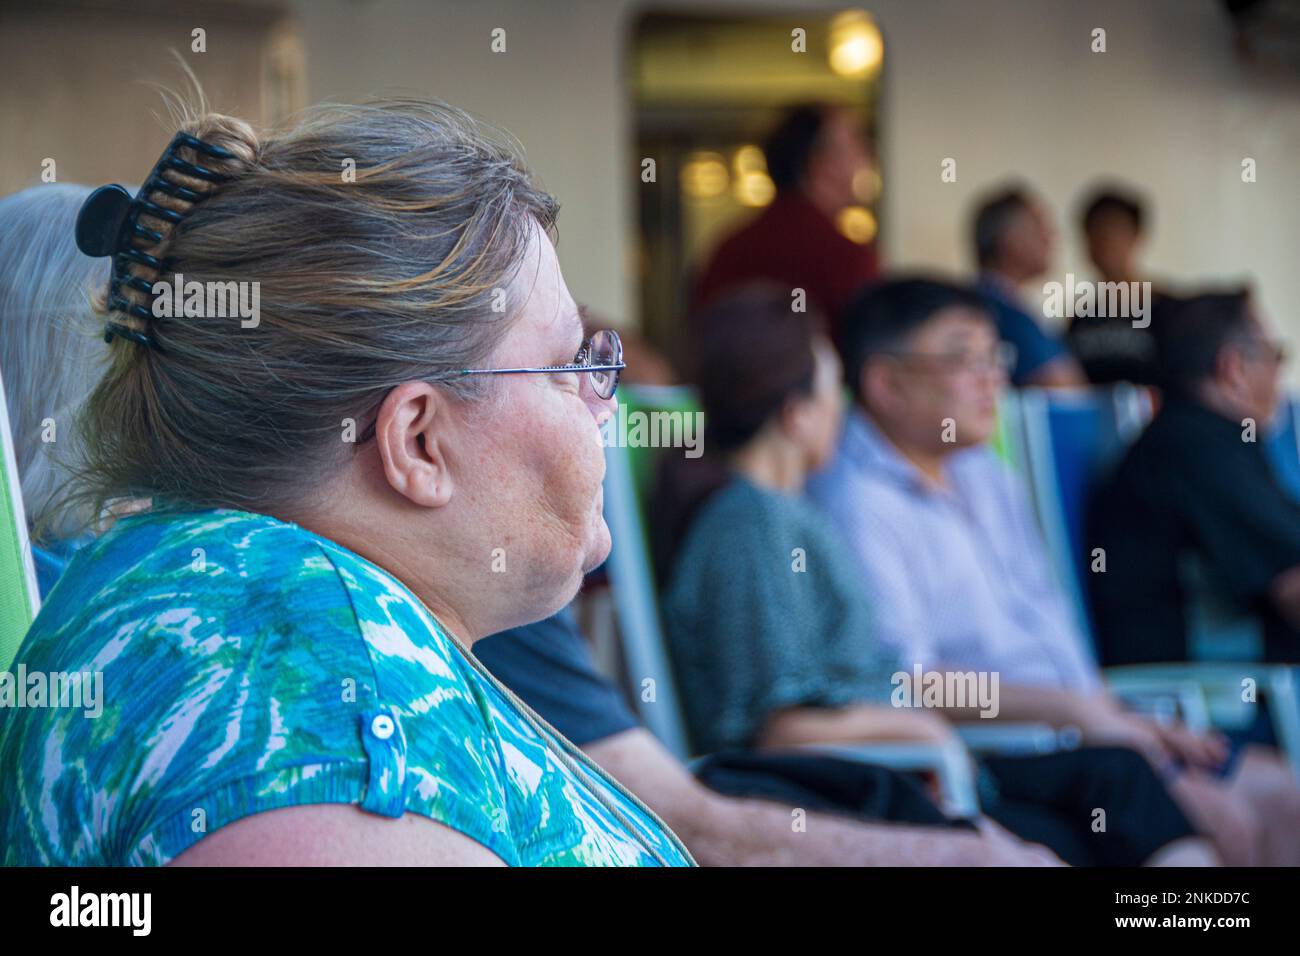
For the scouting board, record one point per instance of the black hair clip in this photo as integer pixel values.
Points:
(109, 225)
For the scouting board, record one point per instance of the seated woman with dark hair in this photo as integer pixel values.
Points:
(770, 635)
(338, 474)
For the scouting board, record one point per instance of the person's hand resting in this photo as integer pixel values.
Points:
(1107, 724)
(1208, 751)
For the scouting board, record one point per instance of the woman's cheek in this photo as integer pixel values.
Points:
(569, 453)
(585, 470)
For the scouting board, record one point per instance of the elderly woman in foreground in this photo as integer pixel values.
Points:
(353, 477)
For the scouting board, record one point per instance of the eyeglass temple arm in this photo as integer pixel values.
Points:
(550, 368)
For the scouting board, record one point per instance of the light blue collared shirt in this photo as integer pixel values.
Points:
(957, 575)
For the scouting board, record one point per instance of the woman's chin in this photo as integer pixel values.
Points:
(600, 547)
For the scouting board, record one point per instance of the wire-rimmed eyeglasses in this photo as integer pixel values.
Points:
(1000, 359)
(601, 356)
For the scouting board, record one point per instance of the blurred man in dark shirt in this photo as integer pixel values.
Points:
(813, 156)
(1013, 238)
(1198, 485)
(1113, 348)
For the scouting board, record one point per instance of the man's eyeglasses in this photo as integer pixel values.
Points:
(1275, 352)
(601, 356)
(1000, 359)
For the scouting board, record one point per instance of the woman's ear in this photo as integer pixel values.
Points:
(412, 433)
(801, 420)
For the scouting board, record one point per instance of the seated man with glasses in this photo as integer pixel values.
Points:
(1198, 485)
(955, 568)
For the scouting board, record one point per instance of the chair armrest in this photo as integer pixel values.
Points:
(1165, 697)
(1219, 687)
(1015, 739)
(1284, 708)
(950, 763)
(1206, 694)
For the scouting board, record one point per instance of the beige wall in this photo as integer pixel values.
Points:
(1003, 86)
(81, 82)
(557, 88)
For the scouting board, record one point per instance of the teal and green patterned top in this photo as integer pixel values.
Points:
(246, 664)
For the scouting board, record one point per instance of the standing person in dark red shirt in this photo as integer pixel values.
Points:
(813, 156)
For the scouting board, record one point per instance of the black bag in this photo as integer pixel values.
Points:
(824, 784)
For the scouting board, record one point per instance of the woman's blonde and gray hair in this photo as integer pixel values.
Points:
(49, 359)
(382, 237)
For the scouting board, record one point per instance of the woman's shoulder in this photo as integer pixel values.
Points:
(254, 665)
(742, 504)
(745, 513)
(258, 587)
(155, 545)
(226, 568)
(739, 531)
